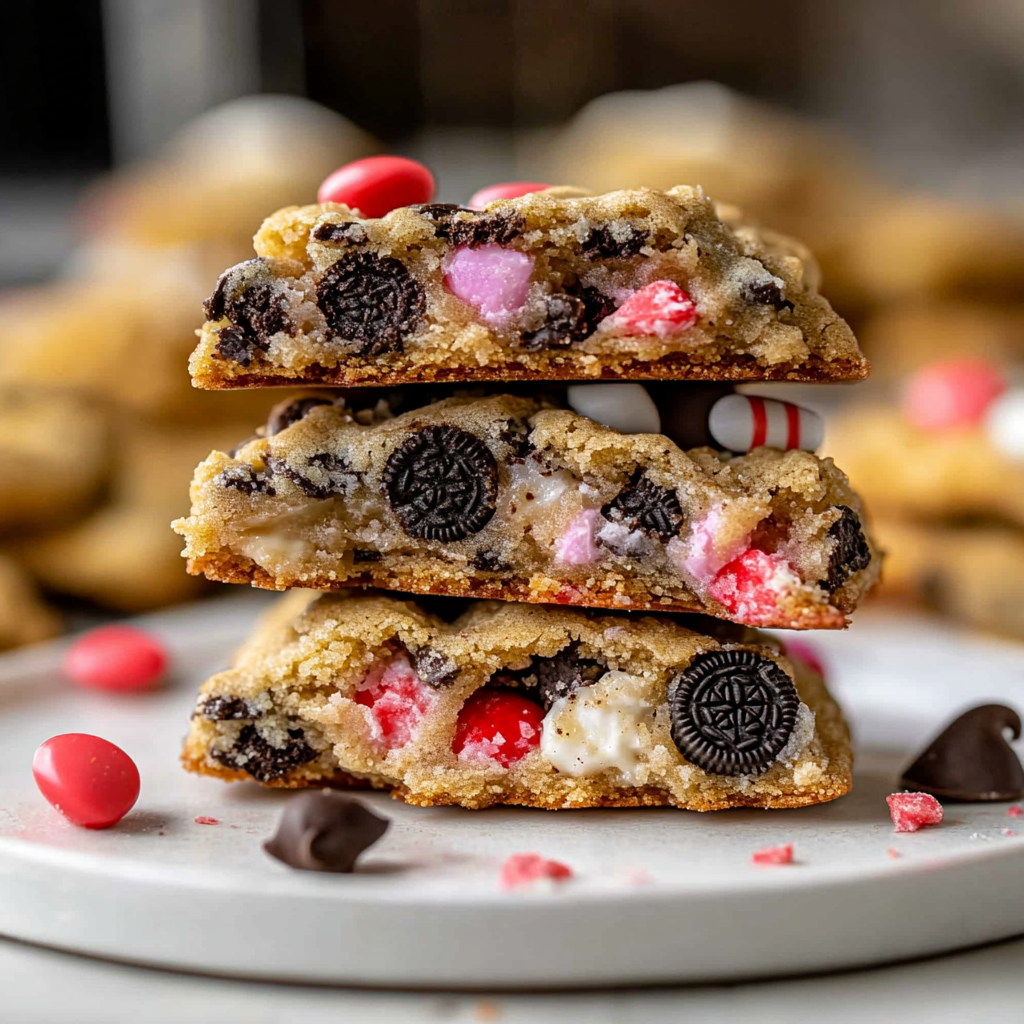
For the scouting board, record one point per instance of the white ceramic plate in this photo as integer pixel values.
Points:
(660, 895)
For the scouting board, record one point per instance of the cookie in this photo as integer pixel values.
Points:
(24, 618)
(507, 497)
(641, 284)
(485, 703)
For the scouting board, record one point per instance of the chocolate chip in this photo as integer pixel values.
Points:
(488, 561)
(372, 301)
(765, 293)
(324, 831)
(602, 242)
(568, 318)
(324, 474)
(291, 410)
(434, 668)
(226, 709)
(486, 229)
(643, 505)
(254, 754)
(732, 711)
(348, 233)
(971, 758)
(248, 296)
(850, 551)
(244, 479)
(564, 674)
(361, 555)
(442, 483)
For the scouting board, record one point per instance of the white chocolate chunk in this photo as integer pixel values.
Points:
(625, 407)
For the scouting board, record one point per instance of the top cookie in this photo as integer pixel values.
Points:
(550, 286)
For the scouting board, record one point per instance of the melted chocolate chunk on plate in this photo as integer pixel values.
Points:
(442, 483)
(254, 754)
(645, 506)
(732, 712)
(971, 759)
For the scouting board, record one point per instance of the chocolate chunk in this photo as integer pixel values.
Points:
(324, 474)
(971, 758)
(569, 317)
(371, 300)
(564, 674)
(486, 229)
(254, 754)
(434, 668)
(234, 345)
(442, 483)
(603, 243)
(488, 560)
(765, 293)
(291, 410)
(226, 709)
(244, 479)
(850, 551)
(645, 506)
(349, 233)
(324, 831)
(732, 712)
(362, 555)
(249, 296)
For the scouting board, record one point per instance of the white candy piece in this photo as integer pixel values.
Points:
(1004, 424)
(625, 407)
(740, 423)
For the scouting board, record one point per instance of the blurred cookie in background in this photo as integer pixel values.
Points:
(24, 618)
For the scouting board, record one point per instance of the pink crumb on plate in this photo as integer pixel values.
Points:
(911, 811)
(893, 853)
(578, 544)
(493, 280)
(1008, 832)
(1014, 811)
(773, 855)
(523, 869)
(205, 819)
(660, 308)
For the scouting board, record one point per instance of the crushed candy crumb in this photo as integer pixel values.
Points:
(773, 855)
(911, 811)
(893, 853)
(205, 819)
(1014, 811)
(523, 869)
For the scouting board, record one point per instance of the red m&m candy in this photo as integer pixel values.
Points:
(377, 185)
(119, 658)
(89, 780)
(952, 394)
(497, 725)
(506, 190)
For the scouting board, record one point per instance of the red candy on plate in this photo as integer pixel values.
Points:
(506, 190)
(497, 725)
(951, 394)
(523, 869)
(92, 782)
(773, 855)
(911, 811)
(376, 185)
(120, 658)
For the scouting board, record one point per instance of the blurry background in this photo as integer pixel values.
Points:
(144, 141)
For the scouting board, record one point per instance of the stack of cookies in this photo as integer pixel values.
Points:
(545, 576)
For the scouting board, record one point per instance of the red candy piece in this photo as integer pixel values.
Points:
(911, 811)
(749, 586)
(90, 781)
(952, 394)
(806, 653)
(497, 725)
(397, 698)
(377, 185)
(118, 658)
(522, 869)
(205, 819)
(660, 308)
(773, 855)
(506, 190)
(1014, 811)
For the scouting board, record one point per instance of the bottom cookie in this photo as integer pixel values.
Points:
(481, 703)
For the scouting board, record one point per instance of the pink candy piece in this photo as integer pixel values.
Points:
(397, 698)
(376, 185)
(506, 190)
(493, 280)
(951, 394)
(773, 855)
(740, 423)
(703, 556)
(578, 546)
(1014, 811)
(523, 869)
(205, 819)
(120, 658)
(749, 586)
(92, 782)
(806, 653)
(660, 308)
(911, 811)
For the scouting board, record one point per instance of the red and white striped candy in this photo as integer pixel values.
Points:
(740, 423)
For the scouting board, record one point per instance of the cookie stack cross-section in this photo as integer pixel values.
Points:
(518, 427)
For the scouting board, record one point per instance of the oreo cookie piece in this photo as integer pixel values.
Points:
(347, 233)
(254, 754)
(605, 243)
(291, 410)
(645, 506)
(324, 474)
(434, 668)
(244, 479)
(372, 301)
(732, 712)
(486, 229)
(564, 674)
(850, 552)
(250, 298)
(229, 709)
(441, 483)
(765, 293)
(570, 317)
